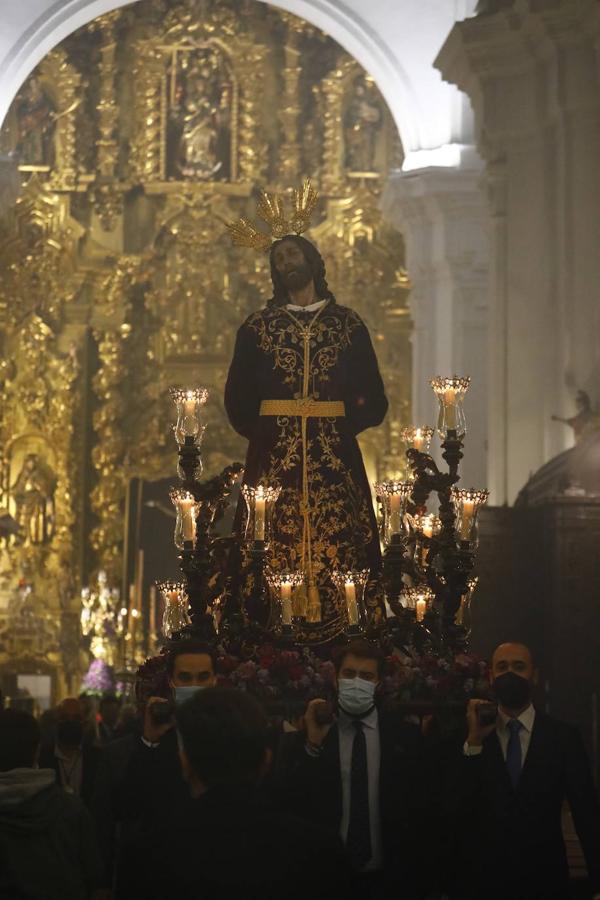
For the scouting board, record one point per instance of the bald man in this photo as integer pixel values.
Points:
(506, 793)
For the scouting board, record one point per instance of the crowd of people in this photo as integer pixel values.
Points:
(203, 794)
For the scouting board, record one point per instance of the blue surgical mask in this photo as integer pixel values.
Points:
(356, 696)
(183, 692)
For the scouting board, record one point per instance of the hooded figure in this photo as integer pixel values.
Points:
(47, 844)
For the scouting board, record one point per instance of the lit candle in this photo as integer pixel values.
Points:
(189, 405)
(450, 404)
(259, 514)
(286, 602)
(421, 609)
(351, 604)
(188, 522)
(428, 526)
(468, 508)
(395, 513)
(132, 627)
(419, 439)
(152, 612)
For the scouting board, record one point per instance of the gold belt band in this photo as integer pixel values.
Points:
(306, 408)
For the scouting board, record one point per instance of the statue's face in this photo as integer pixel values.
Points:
(295, 270)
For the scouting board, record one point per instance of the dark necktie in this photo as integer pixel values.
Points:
(358, 842)
(514, 762)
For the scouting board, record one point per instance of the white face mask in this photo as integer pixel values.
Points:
(356, 696)
(183, 692)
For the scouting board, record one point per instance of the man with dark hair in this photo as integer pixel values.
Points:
(74, 759)
(48, 848)
(506, 790)
(303, 382)
(109, 708)
(227, 842)
(140, 782)
(362, 774)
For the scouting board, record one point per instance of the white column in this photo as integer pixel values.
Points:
(443, 217)
(532, 73)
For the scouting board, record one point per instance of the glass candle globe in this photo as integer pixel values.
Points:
(394, 496)
(467, 503)
(189, 403)
(260, 501)
(420, 597)
(185, 523)
(175, 616)
(418, 437)
(351, 585)
(451, 393)
(283, 585)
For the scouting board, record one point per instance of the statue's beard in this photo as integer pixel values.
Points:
(297, 279)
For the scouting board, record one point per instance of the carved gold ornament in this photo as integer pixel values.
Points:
(271, 209)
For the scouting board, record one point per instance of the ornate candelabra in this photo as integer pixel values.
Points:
(428, 559)
(103, 620)
(428, 556)
(198, 505)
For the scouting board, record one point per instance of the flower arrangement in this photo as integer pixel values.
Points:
(411, 678)
(275, 673)
(99, 679)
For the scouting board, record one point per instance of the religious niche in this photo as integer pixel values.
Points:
(35, 125)
(32, 483)
(363, 124)
(201, 97)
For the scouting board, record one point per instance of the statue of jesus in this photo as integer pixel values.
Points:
(302, 384)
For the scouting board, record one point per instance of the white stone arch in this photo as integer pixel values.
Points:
(395, 42)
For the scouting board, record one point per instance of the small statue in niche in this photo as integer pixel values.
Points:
(361, 126)
(585, 420)
(198, 128)
(36, 124)
(33, 494)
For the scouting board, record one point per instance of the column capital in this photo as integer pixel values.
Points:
(515, 50)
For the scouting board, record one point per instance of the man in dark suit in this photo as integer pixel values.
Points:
(226, 841)
(74, 759)
(361, 774)
(506, 790)
(139, 782)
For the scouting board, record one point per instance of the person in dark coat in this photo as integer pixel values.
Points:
(139, 782)
(48, 849)
(227, 842)
(506, 790)
(363, 774)
(73, 758)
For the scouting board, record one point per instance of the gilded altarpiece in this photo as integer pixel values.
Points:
(136, 140)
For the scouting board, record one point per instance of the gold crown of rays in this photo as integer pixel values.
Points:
(272, 210)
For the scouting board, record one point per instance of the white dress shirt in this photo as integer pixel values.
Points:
(347, 733)
(527, 718)
(313, 307)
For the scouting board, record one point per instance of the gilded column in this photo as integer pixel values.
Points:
(253, 150)
(289, 114)
(108, 456)
(333, 133)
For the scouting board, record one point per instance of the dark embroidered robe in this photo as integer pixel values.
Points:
(268, 364)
